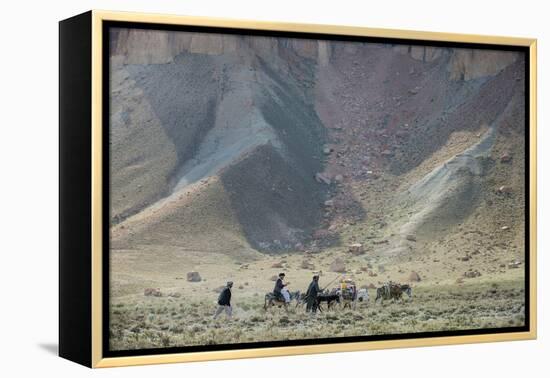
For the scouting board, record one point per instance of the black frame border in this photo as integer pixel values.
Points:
(75, 182)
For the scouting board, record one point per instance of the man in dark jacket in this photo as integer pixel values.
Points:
(224, 301)
(311, 295)
(279, 284)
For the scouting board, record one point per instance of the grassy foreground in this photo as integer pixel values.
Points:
(139, 322)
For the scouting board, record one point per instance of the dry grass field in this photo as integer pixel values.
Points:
(154, 322)
(445, 299)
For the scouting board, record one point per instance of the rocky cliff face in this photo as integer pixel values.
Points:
(135, 46)
(400, 123)
(281, 143)
(468, 64)
(463, 64)
(422, 53)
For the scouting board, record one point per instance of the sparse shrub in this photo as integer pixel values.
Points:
(177, 329)
(284, 320)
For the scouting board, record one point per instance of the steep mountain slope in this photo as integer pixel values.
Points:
(240, 144)
(448, 193)
(234, 120)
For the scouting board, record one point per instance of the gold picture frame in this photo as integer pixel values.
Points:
(91, 329)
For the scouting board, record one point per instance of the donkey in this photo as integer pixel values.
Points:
(393, 291)
(271, 300)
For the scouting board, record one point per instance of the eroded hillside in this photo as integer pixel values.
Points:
(239, 144)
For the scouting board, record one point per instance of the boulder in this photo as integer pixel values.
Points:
(338, 266)
(277, 265)
(152, 292)
(414, 277)
(322, 178)
(194, 277)
(410, 238)
(327, 150)
(504, 190)
(307, 265)
(299, 247)
(273, 278)
(472, 273)
(356, 248)
(505, 158)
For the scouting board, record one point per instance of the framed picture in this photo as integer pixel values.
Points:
(234, 189)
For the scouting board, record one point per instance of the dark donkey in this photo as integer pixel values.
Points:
(329, 299)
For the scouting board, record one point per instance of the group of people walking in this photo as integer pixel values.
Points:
(280, 291)
(346, 293)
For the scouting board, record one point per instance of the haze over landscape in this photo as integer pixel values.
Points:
(238, 157)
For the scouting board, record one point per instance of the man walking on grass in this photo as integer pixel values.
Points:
(311, 295)
(224, 301)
